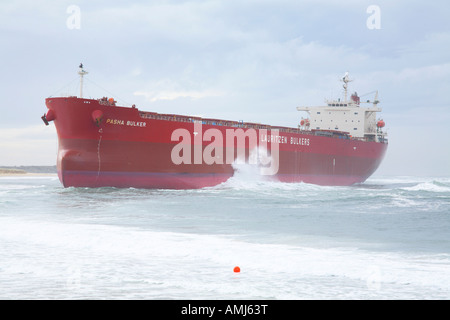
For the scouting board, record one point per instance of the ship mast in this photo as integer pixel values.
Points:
(346, 80)
(81, 72)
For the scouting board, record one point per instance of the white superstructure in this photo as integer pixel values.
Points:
(346, 116)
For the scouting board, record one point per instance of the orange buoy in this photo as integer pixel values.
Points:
(237, 269)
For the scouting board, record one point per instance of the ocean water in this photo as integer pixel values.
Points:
(388, 238)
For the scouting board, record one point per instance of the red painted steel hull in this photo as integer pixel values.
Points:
(103, 145)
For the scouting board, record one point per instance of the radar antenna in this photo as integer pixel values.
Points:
(346, 80)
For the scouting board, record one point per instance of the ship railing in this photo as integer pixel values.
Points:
(245, 125)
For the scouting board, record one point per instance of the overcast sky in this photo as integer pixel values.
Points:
(251, 60)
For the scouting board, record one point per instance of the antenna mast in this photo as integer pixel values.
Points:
(81, 72)
(346, 80)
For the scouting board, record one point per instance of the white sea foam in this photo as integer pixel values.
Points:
(97, 261)
(291, 241)
(432, 186)
(248, 177)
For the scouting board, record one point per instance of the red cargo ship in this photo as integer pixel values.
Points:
(105, 145)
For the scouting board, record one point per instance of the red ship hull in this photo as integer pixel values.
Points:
(103, 145)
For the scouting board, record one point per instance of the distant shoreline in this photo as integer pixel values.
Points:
(27, 174)
(12, 171)
(27, 170)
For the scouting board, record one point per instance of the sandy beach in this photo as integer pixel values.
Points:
(26, 171)
(27, 174)
(22, 173)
